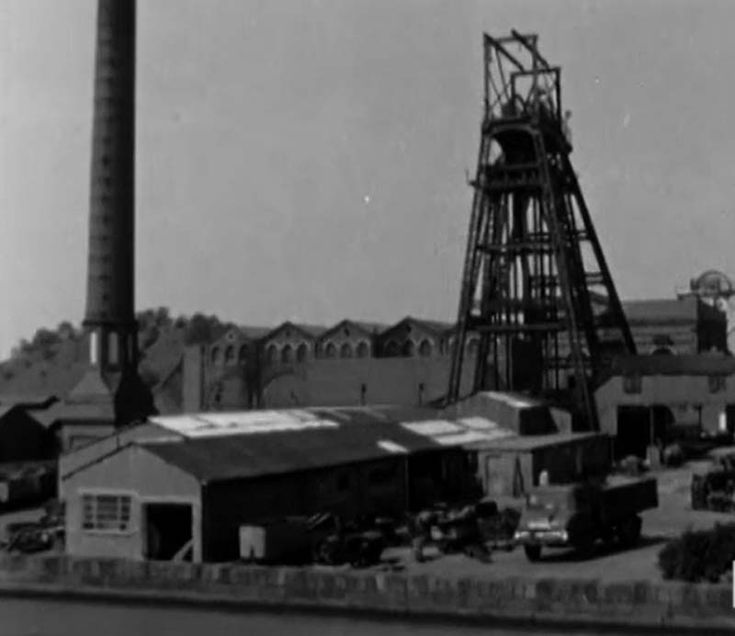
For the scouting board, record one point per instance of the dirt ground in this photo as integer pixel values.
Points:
(669, 520)
(673, 515)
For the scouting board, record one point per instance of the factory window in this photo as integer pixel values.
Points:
(216, 356)
(632, 384)
(330, 351)
(716, 383)
(425, 349)
(230, 355)
(287, 354)
(271, 353)
(106, 513)
(391, 348)
(345, 351)
(450, 345)
(301, 352)
(243, 355)
(363, 350)
(409, 348)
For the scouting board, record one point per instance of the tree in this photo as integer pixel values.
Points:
(203, 329)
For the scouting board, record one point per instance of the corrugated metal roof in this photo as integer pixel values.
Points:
(533, 442)
(284, 450)
(238, 445)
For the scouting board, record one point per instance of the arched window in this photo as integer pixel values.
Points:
(301, 352)
(425, 349)
(216, 358)
(287, 354)
(391, 348)
(330, 351)
(230, 355)
(271, 353)
(449, 346)
(363, 350)
(345, 350)
(242, 357)
(409, 349)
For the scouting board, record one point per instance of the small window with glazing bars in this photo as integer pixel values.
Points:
(106, 512)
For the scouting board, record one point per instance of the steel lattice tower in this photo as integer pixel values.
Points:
(535, 286)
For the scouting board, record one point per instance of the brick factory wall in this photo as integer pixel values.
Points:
(319, 382)
(408, 381)
(664, 606)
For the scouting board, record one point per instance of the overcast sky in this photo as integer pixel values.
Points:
(306, 159)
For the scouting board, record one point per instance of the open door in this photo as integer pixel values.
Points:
(168, 531)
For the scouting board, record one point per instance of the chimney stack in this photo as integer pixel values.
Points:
(110, 311)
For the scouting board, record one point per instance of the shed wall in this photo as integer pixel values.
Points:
(135, 472)
(347, 490)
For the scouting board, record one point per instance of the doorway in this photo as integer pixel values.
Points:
(634, 431)
(168, 534)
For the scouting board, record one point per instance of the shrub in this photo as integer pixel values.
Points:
(701, 555)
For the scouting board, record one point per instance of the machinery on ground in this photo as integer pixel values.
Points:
(474, 529)
(324, 538)
(37, 536)
(578, 515)
(715, 489)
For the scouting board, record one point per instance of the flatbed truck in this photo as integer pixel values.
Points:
(580, 514)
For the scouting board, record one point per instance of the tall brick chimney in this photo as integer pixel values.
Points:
(110, 311)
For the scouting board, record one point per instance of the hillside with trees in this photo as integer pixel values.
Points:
(53, 359)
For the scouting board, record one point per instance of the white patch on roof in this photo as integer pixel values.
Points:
(432, 428)
(242, 423)
(467, 437)
(479, 423)
(392, 447)
(510, 400)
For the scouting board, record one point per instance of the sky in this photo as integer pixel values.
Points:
(307, 159)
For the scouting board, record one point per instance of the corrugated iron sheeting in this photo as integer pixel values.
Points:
(247, 456)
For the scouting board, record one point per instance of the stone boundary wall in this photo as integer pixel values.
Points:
(659, 606)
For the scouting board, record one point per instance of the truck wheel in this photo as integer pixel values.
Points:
(585, 547)
(630, 531)
(533, 552)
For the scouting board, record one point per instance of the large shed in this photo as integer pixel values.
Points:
(202, 476)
